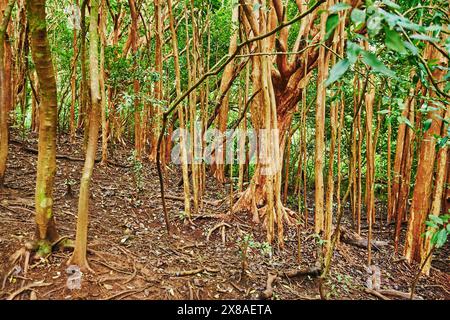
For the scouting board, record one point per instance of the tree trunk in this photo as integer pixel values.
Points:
(79, 253)
(46, 163)
(219, 167)
(423, 186)
(5, 86)
(181, 116)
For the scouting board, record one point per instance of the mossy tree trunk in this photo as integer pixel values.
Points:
(46, 164)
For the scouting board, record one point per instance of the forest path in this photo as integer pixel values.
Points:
(134, 258)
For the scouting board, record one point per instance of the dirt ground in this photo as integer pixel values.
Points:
(134, 258)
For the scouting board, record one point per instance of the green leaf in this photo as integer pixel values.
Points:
(441, 238)
(371, 60)
(256, 6)
(411, 48)
(436, 219)
(427, 124)
(406, 121)
(423, 37)
(358, 16)
(337, 71)
(339, 7)
(393, 41)
(332, 23)
(391, 4)
(442, 142)
(431, 224)
(353, 50)
(374, 24)
(386, 111)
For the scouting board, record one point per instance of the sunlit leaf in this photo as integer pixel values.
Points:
(332, 23)
(337, 71)
(339, 7)
(376, 65)
(358, 16)
(427, 124)
(391, 4)
(393, 41)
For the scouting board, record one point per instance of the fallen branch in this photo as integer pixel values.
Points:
(350, 237)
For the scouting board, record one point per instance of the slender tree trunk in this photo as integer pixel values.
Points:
(5, 86)
(46, 163)
(181, 116)
(322, 75)
(73, 81)
(103, 105)
(79, 253)
(219, 167)
(159, 84)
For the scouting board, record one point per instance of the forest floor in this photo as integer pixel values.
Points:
(134, 258)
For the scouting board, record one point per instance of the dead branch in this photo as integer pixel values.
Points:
(350, 237)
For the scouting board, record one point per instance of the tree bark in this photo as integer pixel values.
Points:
(5, 85)
(46, 163)
(79, 253)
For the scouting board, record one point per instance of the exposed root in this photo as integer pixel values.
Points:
(376, 294)
(384, 293)
(312, 271)
(268, 293)
(125, 293)
(192, 272)
(25, 288)
(217, 226)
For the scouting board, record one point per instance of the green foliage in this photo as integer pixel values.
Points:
(439, 229)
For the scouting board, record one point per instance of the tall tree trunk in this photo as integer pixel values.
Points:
(322, 75)
(219, 167)
(5, 86)
(79, 253)
(421, 200)
(102, 79)
(181, 116)
(158, 85)
(46, 163)
(73, 81)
